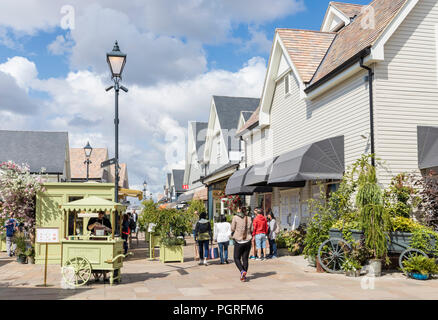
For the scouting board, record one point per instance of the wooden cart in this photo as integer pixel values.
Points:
(332, 252)
(86, 255)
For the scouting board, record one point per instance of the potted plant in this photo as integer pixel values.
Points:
(352, 267)
(30, 254)
(20, 241)
(374, 219)
(420, 267)
(171, 225)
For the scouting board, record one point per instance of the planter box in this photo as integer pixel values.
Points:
(336, 233)
(171, 254)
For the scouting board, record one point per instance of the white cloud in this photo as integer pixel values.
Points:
(61, 45)
(21, 69)
(79, 104)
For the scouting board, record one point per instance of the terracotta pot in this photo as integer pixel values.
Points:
(319, 268)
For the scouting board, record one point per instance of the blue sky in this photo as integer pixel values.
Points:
(179, 54)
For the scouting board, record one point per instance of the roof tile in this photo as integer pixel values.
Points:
(306, 49)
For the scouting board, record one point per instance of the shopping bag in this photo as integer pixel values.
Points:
(213, 253)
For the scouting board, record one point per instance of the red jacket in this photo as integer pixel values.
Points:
(260, 225)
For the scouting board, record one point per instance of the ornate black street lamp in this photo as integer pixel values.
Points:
(116, 61)
(88, 150)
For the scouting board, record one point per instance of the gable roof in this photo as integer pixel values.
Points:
(306, 49)
(228, 109)
(354, 38)
(78, 169)
(39, 149)
(178, 177)
(251, 121)
(246, 115)
(348, 9)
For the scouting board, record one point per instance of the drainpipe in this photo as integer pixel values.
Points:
(370, 84)
(240, 149)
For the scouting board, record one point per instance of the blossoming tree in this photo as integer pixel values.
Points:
(18, 190)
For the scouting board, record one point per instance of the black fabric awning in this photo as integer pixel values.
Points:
(427, 138)
(317, 161)
(235, 184)
(185, 197)
(258, 174)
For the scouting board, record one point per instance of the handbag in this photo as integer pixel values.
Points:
(213, 253)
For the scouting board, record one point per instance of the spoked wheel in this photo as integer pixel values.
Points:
(409, 253)
(332, 254)
(77, 271)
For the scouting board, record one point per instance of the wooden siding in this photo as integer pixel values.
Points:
(406, 90)
(343, 110)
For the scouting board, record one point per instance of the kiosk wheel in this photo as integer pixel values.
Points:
(81, 271)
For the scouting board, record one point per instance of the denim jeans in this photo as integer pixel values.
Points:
(223, 251)
(273, 248)
(260, 240)
(11, 246)
(203, 249)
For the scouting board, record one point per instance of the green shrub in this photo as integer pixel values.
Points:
(292, 240)
(351, 264)
(420, 264)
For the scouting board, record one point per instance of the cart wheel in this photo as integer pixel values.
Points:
(408, 253)
(82, 271)
(331, 254)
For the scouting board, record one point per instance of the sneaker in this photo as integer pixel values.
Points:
(200, 263)
(205, 263)
(274, 257)
(252, 258)
(227, 262)
(258, 259)
(243, 276)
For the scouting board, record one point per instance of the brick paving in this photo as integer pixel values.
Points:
(283, 278)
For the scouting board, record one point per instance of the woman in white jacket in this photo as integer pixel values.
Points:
(222, 233)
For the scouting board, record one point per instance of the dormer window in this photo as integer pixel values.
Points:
(286, 85)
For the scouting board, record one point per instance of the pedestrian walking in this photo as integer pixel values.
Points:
(203, 235)
(135, 218)
(273, 228)
(125, 232)
(222, 233)
(260, 230)
(194, 224)
(11, 226)
(241, 229)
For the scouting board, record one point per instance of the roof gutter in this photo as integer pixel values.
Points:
(347, 64)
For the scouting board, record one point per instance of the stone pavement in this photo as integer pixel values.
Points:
(278, 279)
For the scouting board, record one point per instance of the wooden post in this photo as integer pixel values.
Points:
(45, 267)
(113, 222)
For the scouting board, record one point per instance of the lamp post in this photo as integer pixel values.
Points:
(145, 185)
(116, 61)
(88, 150)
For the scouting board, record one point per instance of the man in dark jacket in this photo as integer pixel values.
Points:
(202, 235)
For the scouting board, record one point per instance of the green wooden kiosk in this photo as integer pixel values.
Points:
(91, 254)
(50, 214)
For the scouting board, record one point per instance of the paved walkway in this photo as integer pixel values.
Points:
(282, 278)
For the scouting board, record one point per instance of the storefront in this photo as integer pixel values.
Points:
(292, 179)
